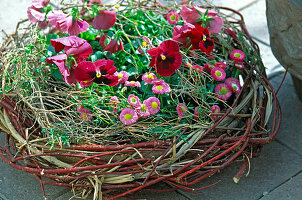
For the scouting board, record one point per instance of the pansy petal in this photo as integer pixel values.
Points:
(85, 71)
(105, 20)
(215, 25)
(77, 27)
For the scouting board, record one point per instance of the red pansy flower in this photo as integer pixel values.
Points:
(101, 71)
(166, 58)
(206, 44)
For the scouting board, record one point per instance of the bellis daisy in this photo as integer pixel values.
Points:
(220, 64)
(222, 91)
(134, 101)
(233, 84)
(181, 110)
(218, 74)
(173, 17)
(85, 113)
(239, 65)
(114, 103)
(152, 105)
(208, 67)
(215, 109)
(237, 55)
(142, 111)
(149, 77)
(128, 116)
(160, 89)
(133, 83)
(198, 68)
(122, 76)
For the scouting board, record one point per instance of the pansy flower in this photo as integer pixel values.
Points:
(237, 55)
(215, 109)
(152, 105)
(149, 77)
(181, 110)
(218, 74)
(114, 46)
(173, 17)
(128, 116)
(101, 72)
(206, 44)
(222, 91)
(234, 84)
(239, 65)
(36, 14)
(114, 101)
(85, 113)
(104, 20)
(133, 84)
(220, 64)
(142, 111)
(166, 58)
(134, 101)
(122, 76)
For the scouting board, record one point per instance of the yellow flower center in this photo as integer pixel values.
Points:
(143, 108)
(237, 55)
(149, 76)
(132, 81)
(84, 116)
(234, 86)
(216, 111)
(133, 100)
(189, 65)
(128, 116)
(144, 44)
(204, 38)
(120, 75)
(154, 105)
(218, 73)
(223, 91)
(197, 68)
(163, 57)
(173, 17)
(183, 110)
(159, 87)
(98, 74)
(117, 6)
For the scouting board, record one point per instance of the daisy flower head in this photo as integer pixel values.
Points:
(161, 88)
(134, 101)
(122, 77)
(132, 84)
(113, 102)
(173, 17)
(208, 67)
(233, 84)
(152, 105)
(149, 77)
(142, 111)
(215, 109)
(198, 68)
(220, 64)
(237, 55)
(128, 116)
(188, 65)
(181, 110)
(158, 82)
(239, 65)
(222, 91)
(218, 74)
(85, 113)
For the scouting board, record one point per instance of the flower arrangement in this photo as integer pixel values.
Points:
(142, 88)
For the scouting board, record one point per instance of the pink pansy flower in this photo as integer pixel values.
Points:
(40, 4)
(218, 74)
(132, 84)
(114, 46)
(239, 65)
(173, 17)
(128, 116)
(222, 91)
(208, 67)
(221, 64)
(149, 77)
(198, 68)
(152, 105)
(85, 113)
(91, 2)
(215, 109)
(181, 110)
(105, 20)
(237, 55)
(36, 14)
(166, 58)
(101, 72)
(122, 77)
(234, 84)
(103, 40)
(114, 101)
(134, 101)
(55, 16)
(180, 34)
(142, 111)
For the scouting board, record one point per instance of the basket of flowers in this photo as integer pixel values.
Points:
(110, 99)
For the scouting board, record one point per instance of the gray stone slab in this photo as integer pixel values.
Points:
(291, 190)
(276, 165)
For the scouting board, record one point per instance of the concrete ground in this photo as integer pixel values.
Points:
(276, 174)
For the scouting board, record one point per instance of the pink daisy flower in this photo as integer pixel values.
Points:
(218, 74)
(161, 88)
(132, 84)
(233, 84)
(128, 116)
(220, 64)
(215, 109)
(198, 68)
(114, 103)
(85, 113)
(134, 101)
(238, 55)
(142, 111)
(173, 17)
(188, 65)
(122, 77)
(152, 105)
(208, 67)
(239, 65)
(222, 91)
(149, 77)
(181, 110)
(158, 82)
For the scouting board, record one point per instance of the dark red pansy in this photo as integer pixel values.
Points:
(101, 72)
(206, 44)
(166, 58)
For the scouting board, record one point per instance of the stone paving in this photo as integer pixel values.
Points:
(276, 174)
